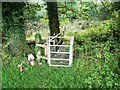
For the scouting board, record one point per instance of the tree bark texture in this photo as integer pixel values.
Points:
(53, 18)
(13, 28)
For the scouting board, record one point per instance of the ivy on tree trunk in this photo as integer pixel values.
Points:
(13, 28)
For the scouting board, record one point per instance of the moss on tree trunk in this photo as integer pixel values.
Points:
(13, 28)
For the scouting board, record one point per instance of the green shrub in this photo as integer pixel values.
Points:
(38, 38)
(99, 45)
(101, 32)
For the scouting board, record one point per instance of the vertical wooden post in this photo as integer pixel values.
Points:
(48, 51)
(71, 51)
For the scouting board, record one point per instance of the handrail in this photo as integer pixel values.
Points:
(61, 45)
(59, 59)
(61, 52)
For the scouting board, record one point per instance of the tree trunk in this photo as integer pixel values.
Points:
(53, 18)
(13, 28)
(54, 21)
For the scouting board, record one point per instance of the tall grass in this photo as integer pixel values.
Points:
(95, 65)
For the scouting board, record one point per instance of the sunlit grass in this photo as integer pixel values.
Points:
(44, 76)
(41, 75)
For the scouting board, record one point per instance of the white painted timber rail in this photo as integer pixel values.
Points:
(64, 55)
(58, 55)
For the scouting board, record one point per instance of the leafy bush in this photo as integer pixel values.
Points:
(38, 38)
(102, 32)
(99, 46)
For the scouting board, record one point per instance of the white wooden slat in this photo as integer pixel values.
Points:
(61, 45)
(61, 37)
(60, 65)
(40, 45)
(61, 52)
(49, 51)
(71, 50)
(59, 59)
(44, 57)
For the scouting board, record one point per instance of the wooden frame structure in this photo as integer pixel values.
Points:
(58, 54)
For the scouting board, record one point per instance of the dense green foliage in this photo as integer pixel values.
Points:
(12, 21)
(96, 49)
(98, 43)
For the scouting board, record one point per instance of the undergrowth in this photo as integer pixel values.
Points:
(95, 65)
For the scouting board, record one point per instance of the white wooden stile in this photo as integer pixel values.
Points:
(70, 53)
(50, 52)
